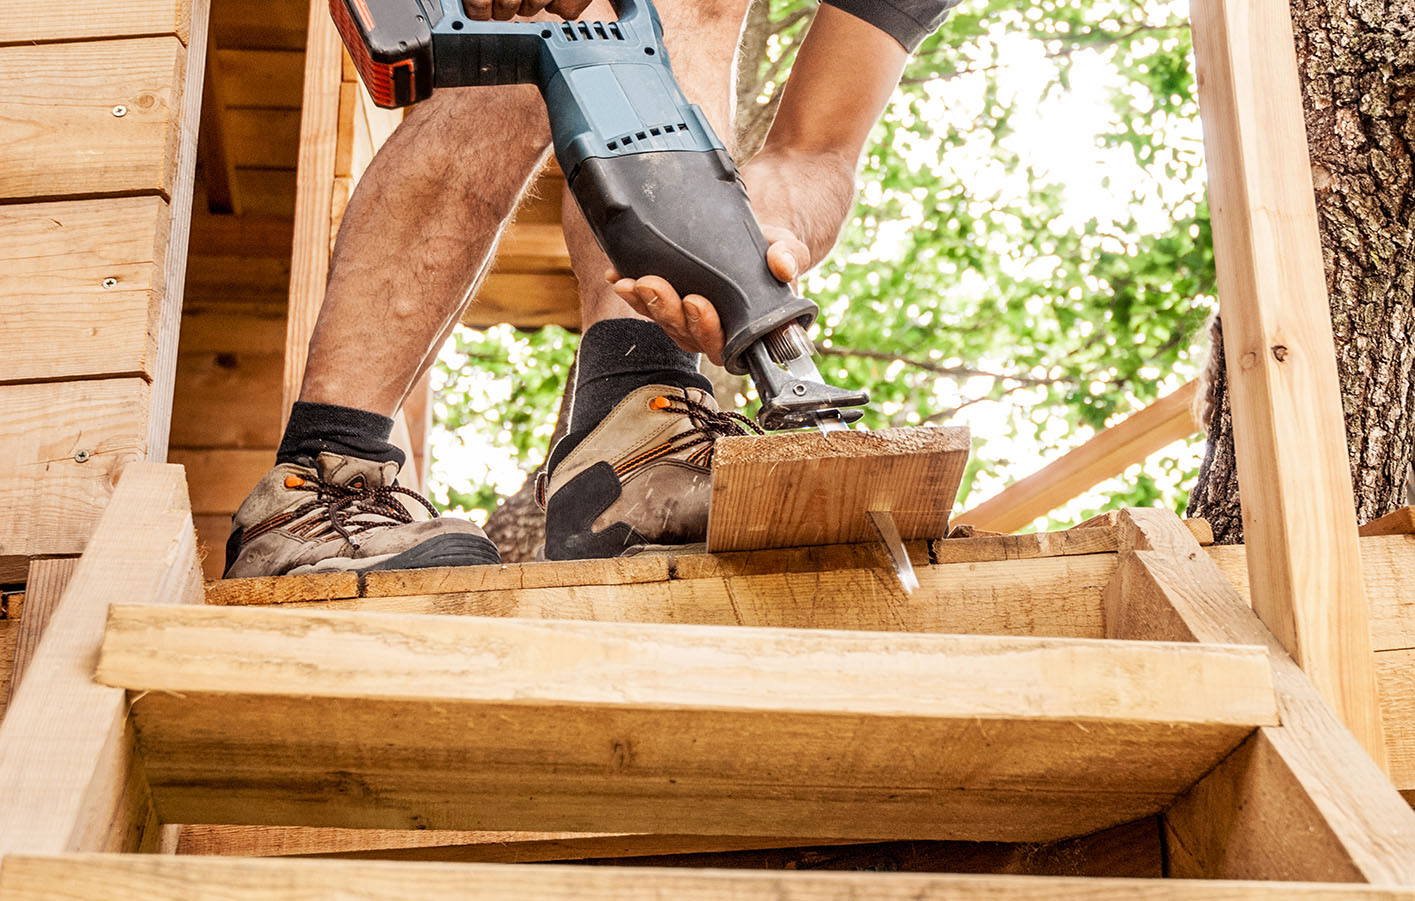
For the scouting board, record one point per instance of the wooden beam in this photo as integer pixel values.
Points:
(526, 300)
(12, 604)
(62, 448)
(843, 587)
(80, 282)
(218, 161)
(1297, 801)
(57, 91)
(47, 580)
(89, 19)
(271, 79)
(314, 718)
(802, 488)
(1108, 454)
(1398, 522)
(66, 769)
(220, 479)
(309, 259)
(1294, 475)
(171, 878)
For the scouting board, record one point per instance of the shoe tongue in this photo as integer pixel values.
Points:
(354, 473)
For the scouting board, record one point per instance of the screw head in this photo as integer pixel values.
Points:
(81, 456)
(120, 111)
(110, 282)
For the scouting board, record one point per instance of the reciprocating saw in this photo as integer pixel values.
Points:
(659, 189)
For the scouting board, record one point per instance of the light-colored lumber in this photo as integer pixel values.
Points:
(451, 846)
(66, 770)
(167, 878)
(309, 260)
(527, 300)
(220, 479)
(32, 23)
(1298, 801)
(79, 286)
(1289, 437)
(299, 717)
(56, 92)
(535, 247)
(1398, 522)
(182, 154)
(840, 587)
(47, 580)
(1108, 454)
(1395, 672)
(61, 450)
(801, 488)
(1068, 543)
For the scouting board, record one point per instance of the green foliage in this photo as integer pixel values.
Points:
(970, 285)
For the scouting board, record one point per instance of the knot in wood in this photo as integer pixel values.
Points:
(1280, 353)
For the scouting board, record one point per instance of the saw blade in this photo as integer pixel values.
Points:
(883, 521)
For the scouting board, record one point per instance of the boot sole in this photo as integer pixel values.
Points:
(441, 550)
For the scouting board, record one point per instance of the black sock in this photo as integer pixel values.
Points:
(314, 428)
(618, 357)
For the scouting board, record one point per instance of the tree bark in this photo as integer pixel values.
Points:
(1356, 61)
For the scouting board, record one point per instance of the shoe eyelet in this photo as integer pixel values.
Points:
(659, 403)
(294, 482)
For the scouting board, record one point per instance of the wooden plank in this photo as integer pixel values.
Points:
(220, 479)
(57, 91)
(476, 723)
(452, 846)
(62, 448)
(269, 192)
(264, 138)
(1070, 542)
(309, 264)
(1297, 801)
(260, 25)
(1289, 437)
(79, 287)
(47, 580)
(268, 79)
(187, 94)
(88, 19)
(227, 401)
(1386, 564)
(801, 488)
(1399, 522)
(218, 161)
(1395, 672)
(1053, 597)
(534, 247)
(170, 878)
(1108, 454)
(65, 749)
(527, 300)
(244, 328)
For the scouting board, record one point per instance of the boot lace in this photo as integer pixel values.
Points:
(341, 503)
(708, 425)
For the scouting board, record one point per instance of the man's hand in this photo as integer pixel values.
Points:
(505, 10)
(692, 321)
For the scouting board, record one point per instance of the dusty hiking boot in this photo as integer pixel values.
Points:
(642, 477)
(343, 513)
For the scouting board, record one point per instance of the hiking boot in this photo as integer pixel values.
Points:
(343, 513)
(642, 477)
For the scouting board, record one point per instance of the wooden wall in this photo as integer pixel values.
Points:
(99, 138)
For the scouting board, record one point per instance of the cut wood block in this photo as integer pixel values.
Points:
(57, 91)
(1399, 522)
(311, 718)
(802, 488)
(33, 23)
(62, 448)
(80, 285)
(836, 587)
(180, 878)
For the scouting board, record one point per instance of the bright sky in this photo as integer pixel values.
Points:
(1055, 136)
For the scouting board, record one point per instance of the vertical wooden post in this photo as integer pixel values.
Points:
(1298, 509)
(314, 186)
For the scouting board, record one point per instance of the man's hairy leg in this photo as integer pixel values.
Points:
(419, 232)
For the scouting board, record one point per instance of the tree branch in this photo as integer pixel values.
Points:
(930, 366)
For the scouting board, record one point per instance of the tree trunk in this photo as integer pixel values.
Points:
(1356, 61)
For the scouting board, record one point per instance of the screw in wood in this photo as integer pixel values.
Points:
(120, 111)
(81, 456)
(110, 282)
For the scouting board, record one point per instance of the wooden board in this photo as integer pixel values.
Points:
(297, 717)
(1108, 454)
(87, 19)
(1298, 801)
(219, 480)
(270, 79)
(839, 587)
(228, 400)
(52, 500)
(65, 749)
(802, 488)
(264, 138)
(1289, 434)
(55, 92)
(171, 878)
(1395, 673)
(47, 581)
(1399, 522)
(60, 315)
